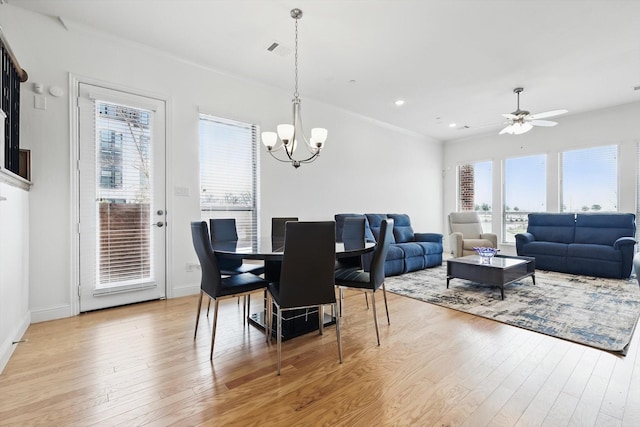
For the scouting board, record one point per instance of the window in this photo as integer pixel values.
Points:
(590, 180)
(228, 173)
(110, 159)
(474, 191)
(525, 191)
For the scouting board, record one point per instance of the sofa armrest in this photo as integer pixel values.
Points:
(624, 241)
(521, 240)
(427, 237)
(455, 244)
(492, 237)
(525, 237)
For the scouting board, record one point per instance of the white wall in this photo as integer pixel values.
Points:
(365, 167)
(612, 126)
(14, 274)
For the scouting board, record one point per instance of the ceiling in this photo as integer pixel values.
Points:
(452, 61)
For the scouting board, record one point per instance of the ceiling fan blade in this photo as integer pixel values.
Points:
(547, 114)
(509, 116)
(545, 123)
(508, 129)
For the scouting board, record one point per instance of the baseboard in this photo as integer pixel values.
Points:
(183, 291)
(52, 313)
(7, 347)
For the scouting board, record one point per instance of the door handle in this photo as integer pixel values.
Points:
(159, 224)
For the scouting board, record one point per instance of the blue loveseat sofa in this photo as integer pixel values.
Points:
(408, 251)
(591, 244)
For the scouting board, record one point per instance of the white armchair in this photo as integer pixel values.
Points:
(466, 233)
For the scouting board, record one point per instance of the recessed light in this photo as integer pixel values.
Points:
(400, 102)
(452, 125)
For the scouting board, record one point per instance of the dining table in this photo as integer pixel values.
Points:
(271, 251)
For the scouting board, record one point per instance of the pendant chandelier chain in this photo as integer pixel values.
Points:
(295, 93)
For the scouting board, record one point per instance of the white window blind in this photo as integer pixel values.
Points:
(228, 173)
(590, 180)
(123, 175)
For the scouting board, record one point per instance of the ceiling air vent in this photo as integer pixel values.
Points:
(279, 49)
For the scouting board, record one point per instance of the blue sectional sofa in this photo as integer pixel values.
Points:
(408, 251)
(591, 244)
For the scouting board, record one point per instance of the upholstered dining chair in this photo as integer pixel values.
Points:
(224, 230)
(466, 233)
(278, 230)
(352, 234)
(374, 279)
(212, 283)
(306, 276)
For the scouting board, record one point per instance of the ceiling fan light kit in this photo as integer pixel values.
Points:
(522, 121)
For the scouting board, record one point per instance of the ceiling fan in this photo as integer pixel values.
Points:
(521, 121)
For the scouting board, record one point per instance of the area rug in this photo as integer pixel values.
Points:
(597, 312)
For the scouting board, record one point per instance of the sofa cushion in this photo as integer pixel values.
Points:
(413, 256)
(594, 252)
(604, 229)
(402, 230)
(375, 221)
(552, 227)
(430, 248)
(339, 218)
(394, 263)
(545, 248)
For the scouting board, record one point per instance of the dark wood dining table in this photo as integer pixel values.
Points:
(296, 322)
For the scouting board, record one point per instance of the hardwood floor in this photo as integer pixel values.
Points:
(139, 365)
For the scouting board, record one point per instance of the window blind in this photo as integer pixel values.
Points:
(123, 172)
(228, 173)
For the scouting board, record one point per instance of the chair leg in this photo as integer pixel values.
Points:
(198, 314)
(321, 319)
(245, 307)
(208, 306)
(366, 299)
(386, 307)
(268, 318)
(375, 315)
(215, 323)
(279, 337)
(341, 297)
(338, 337)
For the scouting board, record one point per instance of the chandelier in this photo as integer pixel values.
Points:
(290, 134)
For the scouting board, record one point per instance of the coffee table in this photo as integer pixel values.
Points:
(501, 270)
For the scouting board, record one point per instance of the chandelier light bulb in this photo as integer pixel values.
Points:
(285, 132)
(269, 139)
(319, 135)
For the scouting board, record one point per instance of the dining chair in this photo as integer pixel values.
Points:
(224, 230)
(212, 283)
(306, 277)
(352, 234)
(374, 279)
(278, 230)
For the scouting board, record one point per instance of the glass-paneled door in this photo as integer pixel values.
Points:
(122, 198)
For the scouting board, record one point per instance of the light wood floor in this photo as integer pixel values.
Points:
(139, 365)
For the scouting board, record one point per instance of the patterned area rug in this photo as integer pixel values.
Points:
(600, 313)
